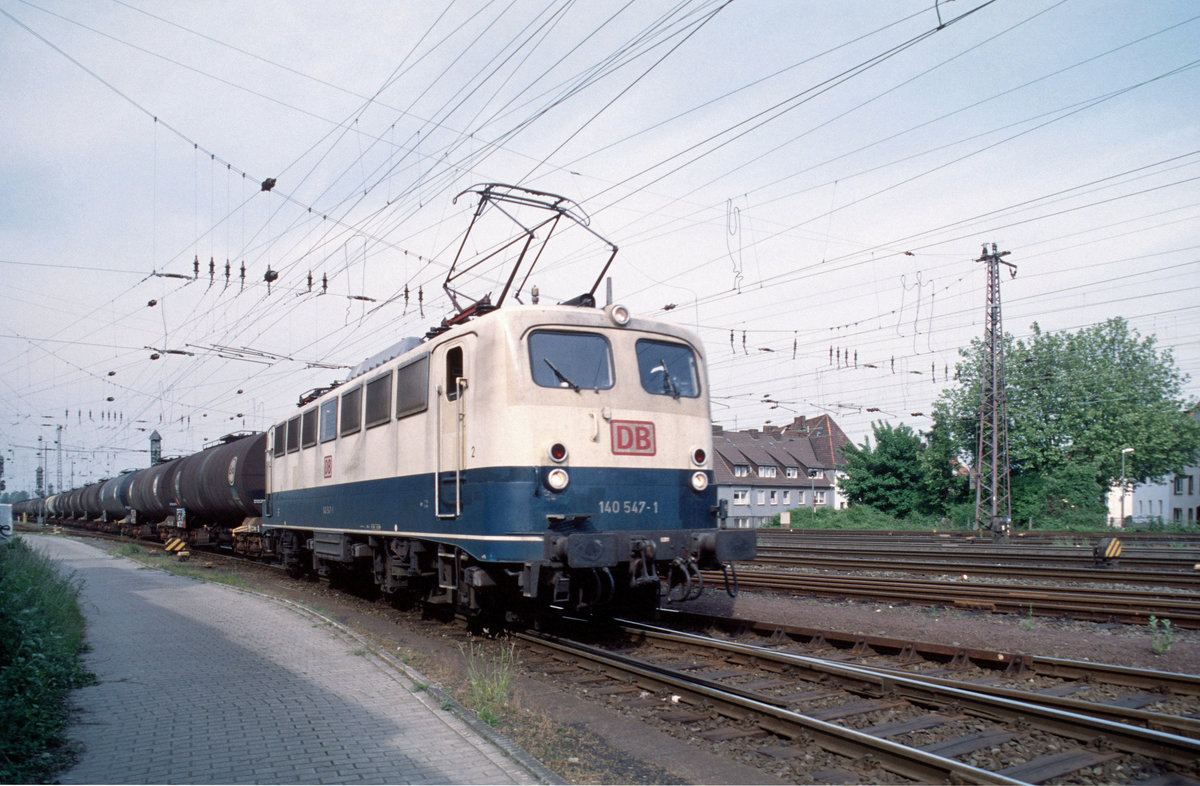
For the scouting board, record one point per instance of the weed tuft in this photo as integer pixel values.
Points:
(489, 678)
(1160, 635)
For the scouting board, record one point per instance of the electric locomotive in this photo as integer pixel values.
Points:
(535, 456)
(517, 458)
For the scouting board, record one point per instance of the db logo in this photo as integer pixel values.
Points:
(632, 438)
(329, 466)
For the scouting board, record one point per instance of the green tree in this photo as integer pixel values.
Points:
(889, 477)
(1077, 399)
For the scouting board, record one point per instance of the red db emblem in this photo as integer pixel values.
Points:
(329, 466)
(632, 438)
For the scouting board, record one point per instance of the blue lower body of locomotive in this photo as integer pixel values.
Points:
(503, 514)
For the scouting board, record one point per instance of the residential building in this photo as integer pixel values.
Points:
(1175, 501)
(764, 473)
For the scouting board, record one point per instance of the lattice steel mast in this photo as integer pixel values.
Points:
(993, 492)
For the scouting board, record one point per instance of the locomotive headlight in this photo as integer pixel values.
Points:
(699, 481)
(557, 479)
(699, 456)
(618, 314)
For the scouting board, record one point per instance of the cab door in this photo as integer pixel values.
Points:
(452, 397)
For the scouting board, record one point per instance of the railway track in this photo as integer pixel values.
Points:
(1142, 538)
(870, 722)
(1168, 572)
(1090, 603)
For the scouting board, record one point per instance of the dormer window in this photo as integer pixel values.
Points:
(766, 471)
(793, 472)
(741, 470)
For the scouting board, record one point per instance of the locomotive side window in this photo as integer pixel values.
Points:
(329, 420)
(293, 434)
(379, 399)
(454, 370)
(308, 428)
(352, 411)
(412, 387)
(277, 440)
(578, 361)
(668, 369)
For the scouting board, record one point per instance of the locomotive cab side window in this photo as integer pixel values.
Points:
(352, 411)
(293, 434)
(308, 428)
(668, 369)
(329, 421)
(277, 443)
(454, 370)
(578, 361)
(412, 387)
(379, 399)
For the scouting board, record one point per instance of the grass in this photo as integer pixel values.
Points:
(489, 678)
(172, 565)
(41, 638)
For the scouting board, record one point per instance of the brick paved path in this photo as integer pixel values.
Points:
(201, 683)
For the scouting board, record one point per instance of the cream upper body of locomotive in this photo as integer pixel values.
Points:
(483, 395)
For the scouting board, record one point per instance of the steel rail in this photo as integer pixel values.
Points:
(1163, 576)
(894, 757)
(1163, 746)
(1086, 603)
(1011, 663)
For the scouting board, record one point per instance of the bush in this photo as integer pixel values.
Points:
(865, 517)
(41, 637)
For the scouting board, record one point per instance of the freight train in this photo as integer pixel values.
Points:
(512, 461)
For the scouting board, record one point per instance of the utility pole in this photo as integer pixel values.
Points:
(993, 491)
(58, 441)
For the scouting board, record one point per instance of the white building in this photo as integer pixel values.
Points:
(1176, 501)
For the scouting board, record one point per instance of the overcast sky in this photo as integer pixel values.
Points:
(807, 184)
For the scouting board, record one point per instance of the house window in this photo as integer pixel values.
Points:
(793, 472)
(774, 497)
(818, 497)
(766, 472)
(741, 470)
(787, 498)
(1178, 514)
(762, 497)
(1178, 484)
(741, 496)
(799, 497)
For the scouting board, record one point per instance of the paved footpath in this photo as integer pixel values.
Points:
(202, 683)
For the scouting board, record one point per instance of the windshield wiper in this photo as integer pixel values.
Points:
(669, 385)
(561, 376)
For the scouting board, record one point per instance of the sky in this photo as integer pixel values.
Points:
(810, 186)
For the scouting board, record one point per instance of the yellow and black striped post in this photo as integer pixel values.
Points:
(1107, 550)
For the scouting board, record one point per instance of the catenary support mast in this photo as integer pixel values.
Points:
(993, 493)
